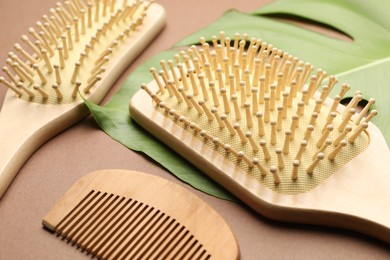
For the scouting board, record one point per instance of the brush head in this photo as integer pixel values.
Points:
(264, 110)
(71, 50)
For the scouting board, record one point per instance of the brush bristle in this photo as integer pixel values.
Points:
(264, 109)
(70, 48)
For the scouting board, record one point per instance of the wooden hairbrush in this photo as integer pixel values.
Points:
(80, 47)
(241, 111)
(121, 214)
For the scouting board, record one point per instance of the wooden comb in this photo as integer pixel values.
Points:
(80, 47)
(122, 214)
(259, 122)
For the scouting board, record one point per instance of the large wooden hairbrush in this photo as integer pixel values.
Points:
(259, 122)
(76, 51)
(121, 214)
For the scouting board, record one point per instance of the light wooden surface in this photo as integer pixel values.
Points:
(147, 193)
(50, 119)
(83, 148)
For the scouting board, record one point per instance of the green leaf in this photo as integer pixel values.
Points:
(364, 62)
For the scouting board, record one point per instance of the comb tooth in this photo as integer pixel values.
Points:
(266, 153)
(75, 72)
(357, 132)
(284, 104)
(256, 163)
(353, 103)
(274, 172)
(206, 110)
(27, 91)
(286, 144)
(10, 86)
(100, 64)
(24, 53)
(21, 73)
(345, 132)
(294, 174)
(135, 218)
(44, 95)
(252, 142)
(57, 91)
(279, 122)
(237, 111)
(92, 83)
(98, 72)
(346, 119)
(305, 76)
(313, 118)
(301, 108)
(47, 61)
(249, 122)
(228, 124)
(336, 101)
(183, 94)
(50, 31)
(56, 27)
(158, 81)
(321, 141)
(89, 14)
(308, 132)
(294, 126)
(194, 85)
(279, 153)
(46, 44)
(183, 76)
(322, 149)
(329, 120)
(273, 133)
(301, 150)
(337, 150)
(272, 97)
(61, 57)
(10, 75)
(364, 111)
(97, 224)
(76, 89)
(214, 94)
(255, 103)
(344, 89)
(260, 124)
(318, 106)
(205, 93)
(57, 73)
(117, 220)
(315, 163)
(226, 104)
(22, 64)
(266, 112)
(372, 114)
(241, 134)
(242, 92)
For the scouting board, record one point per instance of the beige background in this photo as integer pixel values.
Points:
(84, 147)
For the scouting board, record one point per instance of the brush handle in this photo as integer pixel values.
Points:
(23, 129)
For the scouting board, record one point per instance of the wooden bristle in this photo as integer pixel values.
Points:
(265, 106)
(73, 32)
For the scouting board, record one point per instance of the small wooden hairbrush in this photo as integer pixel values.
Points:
(80, 47)
(241, 111)
(121, 214)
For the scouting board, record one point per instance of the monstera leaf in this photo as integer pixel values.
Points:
(363, 61)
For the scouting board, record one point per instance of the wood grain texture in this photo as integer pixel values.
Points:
(128, 214)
